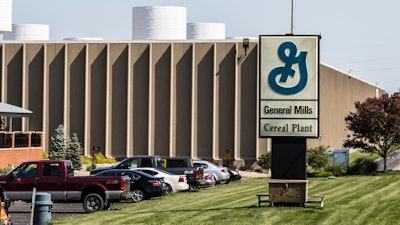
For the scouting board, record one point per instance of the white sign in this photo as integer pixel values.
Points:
(289, 109)
(289, 86)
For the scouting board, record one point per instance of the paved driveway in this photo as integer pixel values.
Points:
(392, 163)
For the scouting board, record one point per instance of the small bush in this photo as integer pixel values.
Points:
(86, 160)
(265, 161)
(317, 158)
(338, 169)
(5, 170)
(91, 167)
(101, 159)
(45, 155)
(363, 166)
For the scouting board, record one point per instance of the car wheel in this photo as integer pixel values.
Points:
(222, 182)
(93, 202)
(137, 195)
(168, 188)
(194, 188)
(107, 206)
(216, 182)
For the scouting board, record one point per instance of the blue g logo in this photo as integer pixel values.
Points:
(287, 70)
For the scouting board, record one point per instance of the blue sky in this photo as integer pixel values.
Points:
(358, 36)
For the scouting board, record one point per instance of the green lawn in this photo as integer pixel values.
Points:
(350, 200)
(356, 155)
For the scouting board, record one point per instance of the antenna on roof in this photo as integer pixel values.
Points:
(292, 20)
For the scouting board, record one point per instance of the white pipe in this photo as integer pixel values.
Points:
(293, 16)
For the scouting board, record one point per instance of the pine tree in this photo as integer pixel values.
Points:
(59, 143)
(74, 152)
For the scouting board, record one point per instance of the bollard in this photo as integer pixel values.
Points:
(42, 210)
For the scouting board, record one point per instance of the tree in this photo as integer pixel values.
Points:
(264, 161)
(317, 157)
(65, 148)
(59, 143)
(74, 152)
(376, 125)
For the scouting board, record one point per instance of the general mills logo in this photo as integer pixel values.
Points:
(284, 71)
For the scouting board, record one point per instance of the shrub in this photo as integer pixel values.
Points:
(324, 174)
(86, 160)
(317, 158)
(91, 167)
(5, 170)
(45, 155)
(319, 174)
(265, 161)
(338, 169)
(101, 159)
(363, 166)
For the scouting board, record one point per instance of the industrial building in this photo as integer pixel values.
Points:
(195, 99)
(170, 97)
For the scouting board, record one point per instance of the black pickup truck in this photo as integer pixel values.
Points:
(175, 165)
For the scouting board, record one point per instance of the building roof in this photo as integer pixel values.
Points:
(8, 110)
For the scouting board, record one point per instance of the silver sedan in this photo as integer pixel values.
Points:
(220, 173)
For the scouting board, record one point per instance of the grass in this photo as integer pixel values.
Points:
(350, 200)
(357, 154)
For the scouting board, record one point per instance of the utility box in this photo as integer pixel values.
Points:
(339, 156)
(288, 191)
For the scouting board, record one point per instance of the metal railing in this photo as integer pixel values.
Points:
(20, 140)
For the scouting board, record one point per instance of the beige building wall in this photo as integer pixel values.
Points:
(195, 99)
(338, 93)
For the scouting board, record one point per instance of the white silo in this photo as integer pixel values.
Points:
(205, 31)
(159, 23)
(5, 16)
(241, 38)
(28, 32)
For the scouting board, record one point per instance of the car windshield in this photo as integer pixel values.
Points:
(160, 162)
(122, 164)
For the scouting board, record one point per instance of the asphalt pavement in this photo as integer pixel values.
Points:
(20, 212)
(392, 162)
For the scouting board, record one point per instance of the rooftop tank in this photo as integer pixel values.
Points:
(28, 32)
(159, 23)
(5, 16)
(206, 31)
(83, 39)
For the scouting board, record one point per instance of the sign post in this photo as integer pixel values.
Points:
(289, 109)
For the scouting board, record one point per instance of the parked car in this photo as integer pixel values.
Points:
(173, 182)
(234, 175)
(175, 165)
(219, 173)
(209, 180)
(142, 185)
